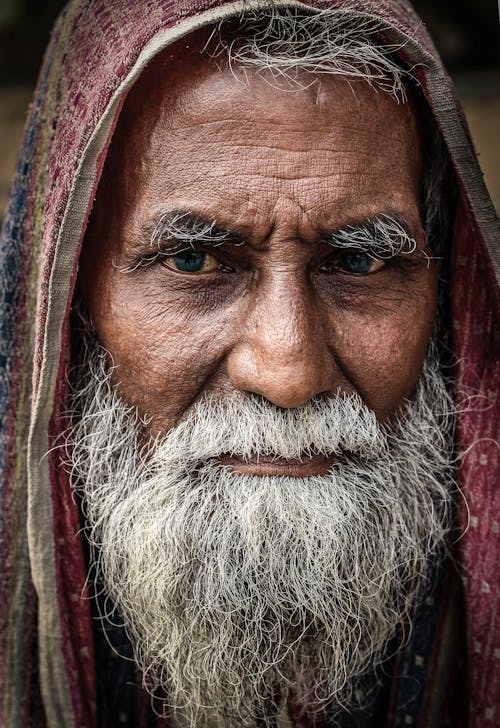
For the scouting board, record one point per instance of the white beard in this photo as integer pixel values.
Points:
(238, 591)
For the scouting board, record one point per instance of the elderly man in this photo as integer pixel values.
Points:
(243, 474)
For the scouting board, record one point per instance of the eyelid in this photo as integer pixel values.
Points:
(378, 264)
(370, 251)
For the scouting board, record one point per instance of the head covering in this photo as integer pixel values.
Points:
(49, 664)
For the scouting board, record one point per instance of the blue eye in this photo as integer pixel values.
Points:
(190, 261)
(359, 263)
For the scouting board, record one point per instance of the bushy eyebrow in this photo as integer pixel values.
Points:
(183, 228)
(381, 236)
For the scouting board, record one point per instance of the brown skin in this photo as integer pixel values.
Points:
(282, 170)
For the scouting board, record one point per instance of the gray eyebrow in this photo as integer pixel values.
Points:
(186, 227)
(383, 236)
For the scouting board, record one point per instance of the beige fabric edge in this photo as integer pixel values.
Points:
(53, 679)
(54, 685)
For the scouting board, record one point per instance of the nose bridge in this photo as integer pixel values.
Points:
(284, 320)
(283, 351)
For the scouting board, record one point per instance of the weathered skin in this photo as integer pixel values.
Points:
(282, 170)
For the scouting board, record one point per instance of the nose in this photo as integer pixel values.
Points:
(282, 353)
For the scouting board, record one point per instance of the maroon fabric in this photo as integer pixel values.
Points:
(475, 324)
(95, 47)
(474, 318)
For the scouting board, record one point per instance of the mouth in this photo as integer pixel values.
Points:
(272, 465)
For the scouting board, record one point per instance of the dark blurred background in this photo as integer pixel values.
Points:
(466, 32)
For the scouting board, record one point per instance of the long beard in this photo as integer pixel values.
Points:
(238, 591)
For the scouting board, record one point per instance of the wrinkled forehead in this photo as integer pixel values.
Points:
(191, 107)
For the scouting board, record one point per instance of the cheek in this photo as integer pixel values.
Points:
(383, 351)
(164, 355)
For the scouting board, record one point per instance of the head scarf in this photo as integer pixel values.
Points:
(49, 665)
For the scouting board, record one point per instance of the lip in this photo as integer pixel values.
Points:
(271, 465)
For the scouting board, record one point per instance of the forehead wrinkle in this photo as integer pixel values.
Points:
(284, 139)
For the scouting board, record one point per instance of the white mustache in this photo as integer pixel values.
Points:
(253, 427)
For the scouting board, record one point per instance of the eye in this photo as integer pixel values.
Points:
(191, 261)
(353, 262)
(359, 263)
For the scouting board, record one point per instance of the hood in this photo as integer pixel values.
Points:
(97, 52)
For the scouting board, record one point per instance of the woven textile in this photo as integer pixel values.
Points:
(48, 665)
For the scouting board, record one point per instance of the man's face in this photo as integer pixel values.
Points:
(254, 240)
(259, 181)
